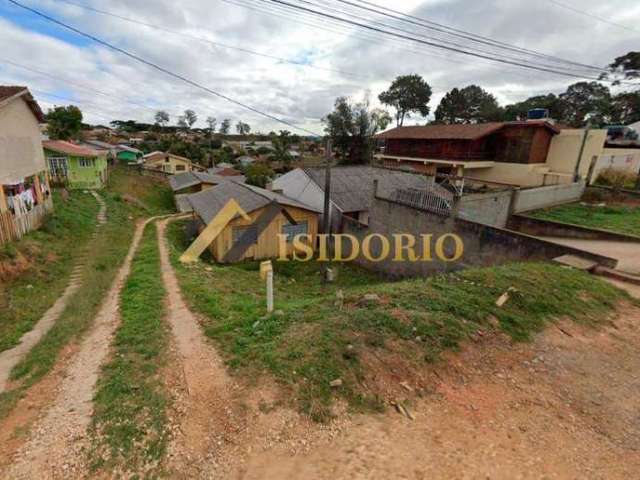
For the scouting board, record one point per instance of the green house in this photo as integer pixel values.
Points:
(128, 154)
(75, 166)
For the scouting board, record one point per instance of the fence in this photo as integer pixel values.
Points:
(13, 228)
(435, 199)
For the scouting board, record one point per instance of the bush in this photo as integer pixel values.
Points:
(8, 251)
(616, 178)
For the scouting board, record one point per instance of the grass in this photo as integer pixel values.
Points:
(152, 194)
(107, 253)
(619, 219)
(311, 341)
(129, 406)
(35, 270)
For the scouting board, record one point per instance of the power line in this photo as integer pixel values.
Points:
(412, 19)
(205, 40)
(591, 15)
(430, 43)
(161, 69)
(493, 54)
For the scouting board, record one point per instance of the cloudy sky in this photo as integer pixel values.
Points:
(316, 59)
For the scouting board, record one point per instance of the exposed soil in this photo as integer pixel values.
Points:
(565, 406)
(56, 441)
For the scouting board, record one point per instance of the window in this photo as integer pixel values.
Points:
(291, 230)
(58, 166)
(250, 230)
(179, 168)
(86, 162)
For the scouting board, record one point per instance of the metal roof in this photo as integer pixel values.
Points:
(68, 148)
(189, 179)
(208, 203)
(352, 186)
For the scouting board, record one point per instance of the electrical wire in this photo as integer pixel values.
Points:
(161, 69)
(590, 15)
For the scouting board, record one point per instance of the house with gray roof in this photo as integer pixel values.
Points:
(270, 214)
(351, 188)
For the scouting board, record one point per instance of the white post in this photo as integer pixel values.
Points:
(270, 291)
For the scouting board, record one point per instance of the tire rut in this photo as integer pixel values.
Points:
(56, 443)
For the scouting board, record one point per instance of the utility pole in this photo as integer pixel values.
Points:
(326, 218)
(576, 172)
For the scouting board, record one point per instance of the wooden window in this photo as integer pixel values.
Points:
(291, 230)
(251, 234)
(86, 162)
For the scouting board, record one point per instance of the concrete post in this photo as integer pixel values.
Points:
(270, 291)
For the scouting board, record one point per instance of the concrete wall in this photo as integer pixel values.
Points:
(543, 197)
(483, 245)
(627, 160)
(563, 153)
(491, 208)
(21, 152)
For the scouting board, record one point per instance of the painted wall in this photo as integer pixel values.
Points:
(172, 166)
(20, 145)
(565, 147)
(83, 177)
(627, 160)
(267, 245)
(544, 197)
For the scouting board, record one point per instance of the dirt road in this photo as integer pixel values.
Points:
(55, 445)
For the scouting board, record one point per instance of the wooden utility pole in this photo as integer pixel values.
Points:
(576, 172)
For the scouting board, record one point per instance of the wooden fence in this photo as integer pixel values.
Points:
(13, 228)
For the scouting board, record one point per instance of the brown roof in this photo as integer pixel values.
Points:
(69, 148)
(470, 131)
(10, 91)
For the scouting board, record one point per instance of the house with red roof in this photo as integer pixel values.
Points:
(75, 166)
(25, 196)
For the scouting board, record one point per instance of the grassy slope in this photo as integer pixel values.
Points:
(129, 419)
(155, 195)
(51, 252)
(616, 219)
(108, 252)
(313, 342)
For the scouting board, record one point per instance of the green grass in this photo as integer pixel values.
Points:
(312, 342)
(154, 195)
(128, 427)
(107, 253)
(619, 219)
(42, 262)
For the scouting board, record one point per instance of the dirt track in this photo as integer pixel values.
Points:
(54, 447)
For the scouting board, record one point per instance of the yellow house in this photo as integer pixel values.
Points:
(269, 213)
(168, 163)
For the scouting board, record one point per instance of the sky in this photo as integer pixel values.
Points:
(195, 39)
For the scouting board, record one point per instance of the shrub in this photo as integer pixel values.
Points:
(8, 251)
(616, 178)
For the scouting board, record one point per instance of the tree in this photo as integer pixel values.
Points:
(407, 94)
(190, 117)
(518, 111)
(351, 128)
(64, 123)
(258, 174)
(225, 126)
(182, 123)
(625, 67)
(471, 104)
(625, 108)
(211, 122)
(162, 118)
(586, 101)
(243, 128)
(281, 145)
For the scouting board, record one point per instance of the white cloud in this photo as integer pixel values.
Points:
(297, 94)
